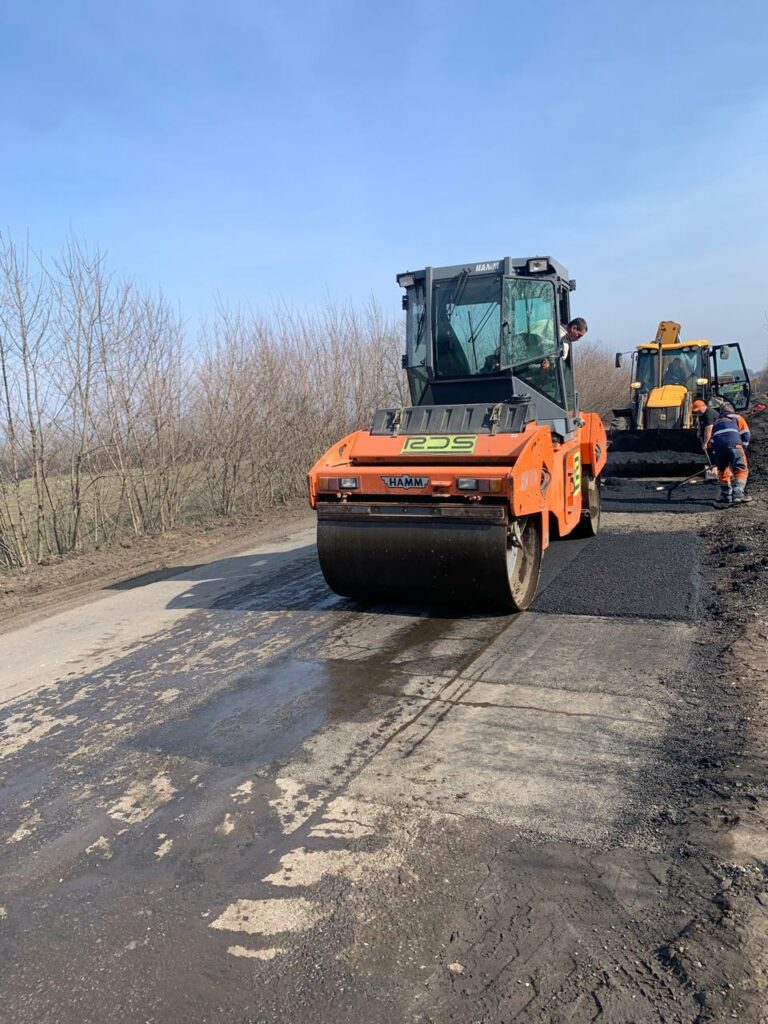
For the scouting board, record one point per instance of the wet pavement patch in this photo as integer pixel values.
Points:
(269, 713)
(632, 573)
(264, 716)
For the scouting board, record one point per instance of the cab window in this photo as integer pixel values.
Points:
(467, 319)
(731, 375)
(529, 340)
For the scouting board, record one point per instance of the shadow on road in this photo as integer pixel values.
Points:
(293, 581)
(266, 581)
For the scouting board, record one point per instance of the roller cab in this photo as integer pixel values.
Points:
(453, 499)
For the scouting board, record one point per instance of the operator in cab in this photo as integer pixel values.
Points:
(572, 331)
(569, 332)
(675, 373)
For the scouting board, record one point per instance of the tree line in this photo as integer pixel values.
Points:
(116, 421)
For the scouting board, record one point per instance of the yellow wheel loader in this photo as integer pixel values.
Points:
(657, 433)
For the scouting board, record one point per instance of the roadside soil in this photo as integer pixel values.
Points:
(38, 591)
(720, 818)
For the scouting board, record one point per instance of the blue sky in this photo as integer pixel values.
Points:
(301, 151)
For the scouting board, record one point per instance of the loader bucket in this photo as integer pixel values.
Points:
(654, 453)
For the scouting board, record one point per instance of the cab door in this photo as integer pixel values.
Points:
(729, 375)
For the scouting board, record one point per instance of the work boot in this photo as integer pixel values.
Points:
(741, 499)
(724, 501)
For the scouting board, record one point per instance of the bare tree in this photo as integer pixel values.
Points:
(602, 387)
(113, 421)
(25, 313)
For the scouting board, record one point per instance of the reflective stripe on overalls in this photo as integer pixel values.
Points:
(729, 434)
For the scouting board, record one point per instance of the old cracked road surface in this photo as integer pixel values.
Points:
(231, 796)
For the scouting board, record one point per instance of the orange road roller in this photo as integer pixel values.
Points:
(452, 500)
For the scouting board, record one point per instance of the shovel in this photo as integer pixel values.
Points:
(705, 472)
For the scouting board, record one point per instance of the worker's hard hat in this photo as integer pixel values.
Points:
(699, 406)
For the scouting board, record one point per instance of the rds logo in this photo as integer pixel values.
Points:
(439, 444)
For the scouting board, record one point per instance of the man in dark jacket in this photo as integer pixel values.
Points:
(705, 420)
(729, 441)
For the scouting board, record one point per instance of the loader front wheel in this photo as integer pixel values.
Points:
(591, 509)
(523, 561)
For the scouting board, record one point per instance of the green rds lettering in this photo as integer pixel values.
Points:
(440, 444)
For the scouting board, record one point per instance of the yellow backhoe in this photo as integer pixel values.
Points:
(656, 434)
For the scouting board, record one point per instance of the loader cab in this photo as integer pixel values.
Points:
(684, 365)
(489, 333)
(703, 369)
(681, 364)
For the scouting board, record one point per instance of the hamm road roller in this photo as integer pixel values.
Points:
(454, 498)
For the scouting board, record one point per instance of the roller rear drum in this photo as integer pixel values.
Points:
(468, 558)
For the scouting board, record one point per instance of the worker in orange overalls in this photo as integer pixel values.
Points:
(729, 440)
